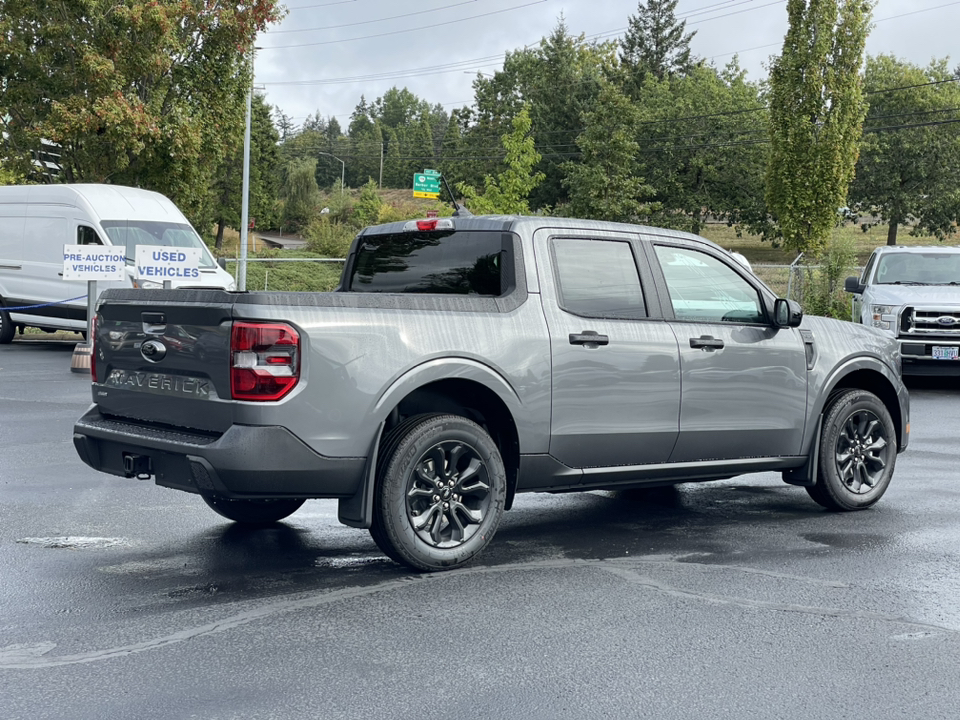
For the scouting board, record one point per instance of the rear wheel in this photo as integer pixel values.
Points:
(441, 488)
(253, 512)
(858, 452)
(7, 328)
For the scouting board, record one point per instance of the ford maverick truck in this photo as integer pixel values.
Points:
(464, 360)
(913, 294)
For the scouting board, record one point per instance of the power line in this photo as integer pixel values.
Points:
(400, 32)
(368, 22)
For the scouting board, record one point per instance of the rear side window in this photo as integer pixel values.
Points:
(451, 263)
(598, 278)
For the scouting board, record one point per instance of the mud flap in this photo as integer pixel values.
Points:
(357, 510)
(806, 474)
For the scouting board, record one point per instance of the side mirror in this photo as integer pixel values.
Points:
(787, 313)
(222, 262)
(852, 285)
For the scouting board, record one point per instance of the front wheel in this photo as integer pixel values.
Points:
(441, 488)
(253, 512)
(858, 452)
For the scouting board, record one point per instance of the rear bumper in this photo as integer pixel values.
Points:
(244, 462)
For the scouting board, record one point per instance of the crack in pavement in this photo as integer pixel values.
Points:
(26, 656)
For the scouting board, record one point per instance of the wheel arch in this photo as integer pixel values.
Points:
(457, 386)
(874, 382)
(475, 401)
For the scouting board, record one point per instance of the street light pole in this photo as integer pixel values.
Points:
(245, 204)
(343, 168)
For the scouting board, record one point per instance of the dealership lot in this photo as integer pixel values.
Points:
(734, 599)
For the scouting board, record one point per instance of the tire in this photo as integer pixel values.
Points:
(7, 328)
(441, 488)
(858, 452)
(253, 512)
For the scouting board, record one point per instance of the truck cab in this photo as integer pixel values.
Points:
(913, 294)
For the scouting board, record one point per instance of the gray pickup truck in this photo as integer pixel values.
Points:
(463, 360)
(913, 294)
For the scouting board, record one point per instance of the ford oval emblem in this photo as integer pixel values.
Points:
(153, 351)
(946, 320)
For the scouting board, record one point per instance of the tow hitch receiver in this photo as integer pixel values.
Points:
(137, 466)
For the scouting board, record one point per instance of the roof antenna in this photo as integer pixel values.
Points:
(458, 209)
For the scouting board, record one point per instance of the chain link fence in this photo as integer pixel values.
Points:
(794, 282)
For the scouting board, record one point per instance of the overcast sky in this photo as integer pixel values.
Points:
(325, 54)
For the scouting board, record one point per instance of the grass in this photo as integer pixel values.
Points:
(763, 253)
(289, 276)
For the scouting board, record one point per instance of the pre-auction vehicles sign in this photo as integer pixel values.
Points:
(93, 262)
(159, 263)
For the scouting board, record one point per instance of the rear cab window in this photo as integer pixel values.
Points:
(437, 263)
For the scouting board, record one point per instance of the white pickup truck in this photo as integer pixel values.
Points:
(913, 293)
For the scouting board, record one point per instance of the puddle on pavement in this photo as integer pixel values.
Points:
(75, 542)
(349, 562)
(848, 541)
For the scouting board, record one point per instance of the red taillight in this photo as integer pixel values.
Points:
(265, 361)
(427, 225)
(93, 349)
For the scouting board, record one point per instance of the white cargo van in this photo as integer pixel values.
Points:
(36, 221)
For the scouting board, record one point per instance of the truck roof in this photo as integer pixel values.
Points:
(883, 249)
(529, 223)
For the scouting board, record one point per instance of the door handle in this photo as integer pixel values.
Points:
(588, 338)
(706, 342)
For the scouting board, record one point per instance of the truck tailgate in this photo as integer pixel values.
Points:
(165, 362)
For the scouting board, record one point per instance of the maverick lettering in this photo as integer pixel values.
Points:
(162, 384)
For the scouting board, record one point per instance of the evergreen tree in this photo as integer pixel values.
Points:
(655, 44)
(816, 117)
(227, 189)
(605, 184)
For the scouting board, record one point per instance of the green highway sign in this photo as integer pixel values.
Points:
(426, 184)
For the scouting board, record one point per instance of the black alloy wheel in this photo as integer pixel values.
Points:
(440, 493)
(858, 452)
(449, 494)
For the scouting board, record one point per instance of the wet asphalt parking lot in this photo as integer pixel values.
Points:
(738, 599)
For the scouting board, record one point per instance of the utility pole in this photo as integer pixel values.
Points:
(380, 184)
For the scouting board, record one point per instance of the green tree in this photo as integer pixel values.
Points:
(264, 176)
(141, 92)
(701, 144)
(299, 192)
(606, 184)
(909, 175)
(367, 208)
(557, 81)
(816, 117)
(507, 193)
(655, 44)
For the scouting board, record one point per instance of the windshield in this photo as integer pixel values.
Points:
(131, 233)
(929, 268)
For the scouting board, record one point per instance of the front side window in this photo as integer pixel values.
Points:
(705, 289)
(86, 235)
(130, 233)
(869, 267)
(598, 278)
(437, 263)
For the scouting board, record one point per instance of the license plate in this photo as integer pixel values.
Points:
(945, 353)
